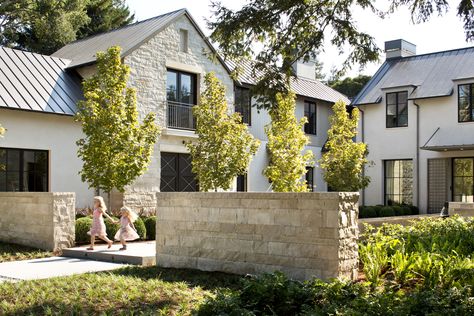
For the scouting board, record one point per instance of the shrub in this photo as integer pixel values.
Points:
(414, 210)
(140, 227)
(83, 225)
(150, 224)
(80, 216)
(112, 228)
(398, 210)
(406, 210)
(367, 212)
(377, 209)
(386, 211)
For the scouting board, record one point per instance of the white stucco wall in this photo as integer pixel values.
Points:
(58, 135)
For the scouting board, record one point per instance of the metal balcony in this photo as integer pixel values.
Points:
(180, 116)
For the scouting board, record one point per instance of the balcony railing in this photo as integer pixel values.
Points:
(180, 116)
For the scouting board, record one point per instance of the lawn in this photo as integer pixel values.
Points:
(11, 252)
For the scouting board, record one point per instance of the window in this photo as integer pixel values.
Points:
(310, 178)
(243, 104)
(465, 103)
(398, 182)
(463, 179)
(183, 40)
(397, 109)
(181, 87)
(310, 114)
(23, 170)
(242, 183)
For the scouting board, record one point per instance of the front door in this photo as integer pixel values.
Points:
(176, 173)
(437, 184)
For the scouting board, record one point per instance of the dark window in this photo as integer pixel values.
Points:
(465, 103)
(23, 170)
(181, 87)
(398, 182)
(397, 109)
(242, 183)
(243, 104)
(463, 179)
(310, 113)
(310, 178)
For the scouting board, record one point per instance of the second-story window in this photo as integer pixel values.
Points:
(397, 109)
(310, 113)
(181, 87)
(465, 103)
(243, 104)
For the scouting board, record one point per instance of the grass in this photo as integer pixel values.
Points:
(132, 290)
(11, 252)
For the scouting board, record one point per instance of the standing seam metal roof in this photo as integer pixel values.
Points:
(35, 82)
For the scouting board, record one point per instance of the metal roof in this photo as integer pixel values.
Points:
(431, 75)
(301, 86)
(34, 82)
(129, 38)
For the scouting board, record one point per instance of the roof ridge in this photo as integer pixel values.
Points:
(435, 53)
(33, 53)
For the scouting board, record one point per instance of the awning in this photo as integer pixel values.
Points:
(449, 147)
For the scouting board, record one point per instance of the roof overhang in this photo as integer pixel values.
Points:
(442, 148)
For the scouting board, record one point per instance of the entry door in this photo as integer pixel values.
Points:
(176, 173)
(437, 184)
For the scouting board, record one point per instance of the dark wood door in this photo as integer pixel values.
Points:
(176, 173)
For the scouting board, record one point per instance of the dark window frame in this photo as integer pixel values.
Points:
(247, 119)
(244, 179)
(309, 177)
(397, 105)
(311, 127)
(470, 99)
(385, 178)
(453, 175)
(178, 85)
(21, 171)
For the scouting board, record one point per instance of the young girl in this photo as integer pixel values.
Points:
(127, 230)
(98, 225)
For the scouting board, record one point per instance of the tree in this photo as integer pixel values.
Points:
(350, 86)
(2, 130)
(286, 142)
(224, 147)
(116, 148)
(344, 161)
(278, 33)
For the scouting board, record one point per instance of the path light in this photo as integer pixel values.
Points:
(445, 210)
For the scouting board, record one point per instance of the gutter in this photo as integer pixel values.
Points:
(417, 154)
(362, 132)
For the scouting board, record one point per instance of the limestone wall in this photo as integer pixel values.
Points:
(42, 220)
(461, 208)
(301, 234)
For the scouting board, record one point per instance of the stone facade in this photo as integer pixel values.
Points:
(301, 234)
(461, 208)
(41, 220)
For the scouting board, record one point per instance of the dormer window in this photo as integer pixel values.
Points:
(465, 103)
(183, 40)
(397, 109)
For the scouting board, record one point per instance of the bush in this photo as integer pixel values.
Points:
(112, 228)
(398, 210)
(413, 210)
(150, 224)
(377, 209)
(386, 211)
(140, 227)
(367, 212)
(83, 225)
(80, 216)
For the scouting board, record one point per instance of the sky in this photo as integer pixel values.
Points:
(440, 33)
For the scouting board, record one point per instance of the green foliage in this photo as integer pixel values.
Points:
(141, 228)
(83, 225)
(12, 252)
(150, 224)
(116, 148)
(286, 142)
(375, 261)
(367, 211)
(344, 161)
(350, 86)
(225, 146)
(386, 211)
(112, 228)
(2, 130)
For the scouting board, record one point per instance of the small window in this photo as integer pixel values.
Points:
(310, 178)
(310, 114)
(465, 103)
(183, 40)
(397, 109)
(242, 183)
(398, 182)
(243, 105)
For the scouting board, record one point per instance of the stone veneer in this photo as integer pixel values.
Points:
(461, 208)
(41, 220)
(301, 234)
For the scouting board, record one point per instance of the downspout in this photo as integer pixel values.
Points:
(362, 132)
(417, 154)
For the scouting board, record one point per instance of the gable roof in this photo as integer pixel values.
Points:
(301, 86)
(431, 75)
(35, 82)
(129, 38)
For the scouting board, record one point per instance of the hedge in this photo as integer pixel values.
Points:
(150, 224)
(83, 225)
(140, 227)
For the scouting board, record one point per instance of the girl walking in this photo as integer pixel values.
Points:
(127, 230)
(98, 225)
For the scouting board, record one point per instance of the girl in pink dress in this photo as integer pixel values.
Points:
(98, 225)
(127, 230)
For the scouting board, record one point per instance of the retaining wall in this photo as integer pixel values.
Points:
(461, 208)
(301, 234)
(38, 219)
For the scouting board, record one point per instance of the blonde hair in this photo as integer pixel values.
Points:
(102, 205)
(127, 211)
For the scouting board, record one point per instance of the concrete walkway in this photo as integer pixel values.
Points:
(51, 267)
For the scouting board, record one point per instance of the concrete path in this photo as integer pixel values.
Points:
(141, 253)
(51, 267)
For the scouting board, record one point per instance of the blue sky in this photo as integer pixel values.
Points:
(440, 33)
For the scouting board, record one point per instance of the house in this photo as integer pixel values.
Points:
(417, 119)
(168, 56)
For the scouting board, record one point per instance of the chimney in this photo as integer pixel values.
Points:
(305, 69)
(399, 49)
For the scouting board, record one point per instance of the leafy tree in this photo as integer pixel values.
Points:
(116, 148)
(105, 15)
(286, 31)
(286, 142)
(2, 130)
(224, 147)
(350, 86)
(344, 161)
(319, 69)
